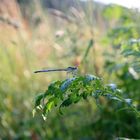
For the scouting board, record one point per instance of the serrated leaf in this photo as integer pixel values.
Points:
(48, 107)
(38, 99)
(66, 103)
(84, 95)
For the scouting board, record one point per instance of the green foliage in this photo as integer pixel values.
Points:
(116, 14)
(122, 58)
(72, 90)
(131, 48)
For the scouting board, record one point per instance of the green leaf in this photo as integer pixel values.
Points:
(66, 102)
(38, 99)
(48, 106)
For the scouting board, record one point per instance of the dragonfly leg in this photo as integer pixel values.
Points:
(68, 74)
(74, 73)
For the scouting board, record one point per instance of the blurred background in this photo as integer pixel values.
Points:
(37, 34)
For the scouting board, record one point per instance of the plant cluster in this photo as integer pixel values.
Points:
(72, 90)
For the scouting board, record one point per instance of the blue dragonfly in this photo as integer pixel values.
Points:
(72, 70)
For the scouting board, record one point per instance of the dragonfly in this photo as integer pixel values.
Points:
(72, 70)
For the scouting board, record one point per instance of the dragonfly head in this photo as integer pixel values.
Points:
(71, 69)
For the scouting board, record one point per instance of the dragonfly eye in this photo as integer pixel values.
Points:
(71, 68)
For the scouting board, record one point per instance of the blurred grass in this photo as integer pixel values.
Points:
(52, 44)
(20, 55)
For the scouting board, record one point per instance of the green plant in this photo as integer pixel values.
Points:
(131, 50)
(72, 90)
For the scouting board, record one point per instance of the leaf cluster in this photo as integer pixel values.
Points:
(131, 49)
(72, 90)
